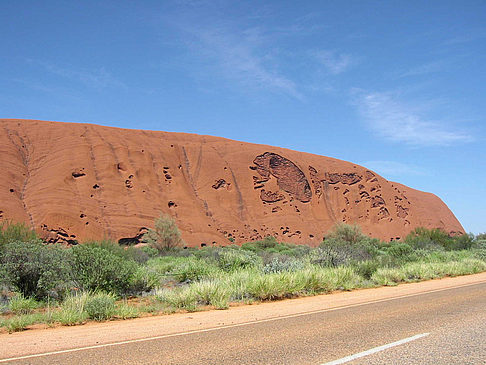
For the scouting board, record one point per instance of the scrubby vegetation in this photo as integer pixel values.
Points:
(54, 284)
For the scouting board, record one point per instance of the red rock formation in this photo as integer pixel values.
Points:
(74, 182)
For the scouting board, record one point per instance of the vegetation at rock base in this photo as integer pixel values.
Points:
(100, 280)
(165, 235)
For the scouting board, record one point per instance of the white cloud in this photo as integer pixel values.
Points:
(335, 63)
(398, 122)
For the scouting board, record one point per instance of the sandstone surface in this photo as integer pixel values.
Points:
(74, 182)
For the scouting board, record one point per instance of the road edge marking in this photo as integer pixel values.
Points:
(271, 319)
(374, 350)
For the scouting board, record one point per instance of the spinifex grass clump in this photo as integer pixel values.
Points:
(20, 322)
(19, 304)
(100, 306)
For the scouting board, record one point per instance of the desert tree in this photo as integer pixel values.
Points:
(165, 235)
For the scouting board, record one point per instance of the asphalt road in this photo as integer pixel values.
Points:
(454, 319)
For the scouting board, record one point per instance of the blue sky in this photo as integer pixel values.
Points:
(397, 86)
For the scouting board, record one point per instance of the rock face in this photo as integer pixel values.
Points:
(74, 182)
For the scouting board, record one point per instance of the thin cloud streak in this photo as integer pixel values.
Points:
(98, 78)
(334, 62)
(241, 58)
(425, 69)
(395, 122)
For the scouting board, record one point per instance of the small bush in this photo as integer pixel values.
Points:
(12, 232)
(192, 269)
(399, 249)
(165, 236)
(150, 251)
(348, 233)
(144, 279)
(433, 239)
(96, 268)
(269, 242)
(35, 269)
(334, 253)
(283, 263)
(367, 268)
(164, 265)
(100, 306)
(480, 250)
(231, 260)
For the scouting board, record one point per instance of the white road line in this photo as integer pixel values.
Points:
(238, 324)
(375, 350)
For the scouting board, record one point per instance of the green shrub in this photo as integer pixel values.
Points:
(12, 232)
(212, 253)
(480, 250)
(250, 246)
(367, 268)
(334, 253)
(192, 269)
(463, 242)
(100, 306)
(19, 304)
(139, 255)
(144, 279)
(269, 242)
(348, 233)
(231, 260)
(283, 263)
(165, 236)
(150, 251)
(164, 265)
(344, 245)
(433, 239)
(399, 249)
(182, 269)
(481, 237)
(96, 268)
(36, 269)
